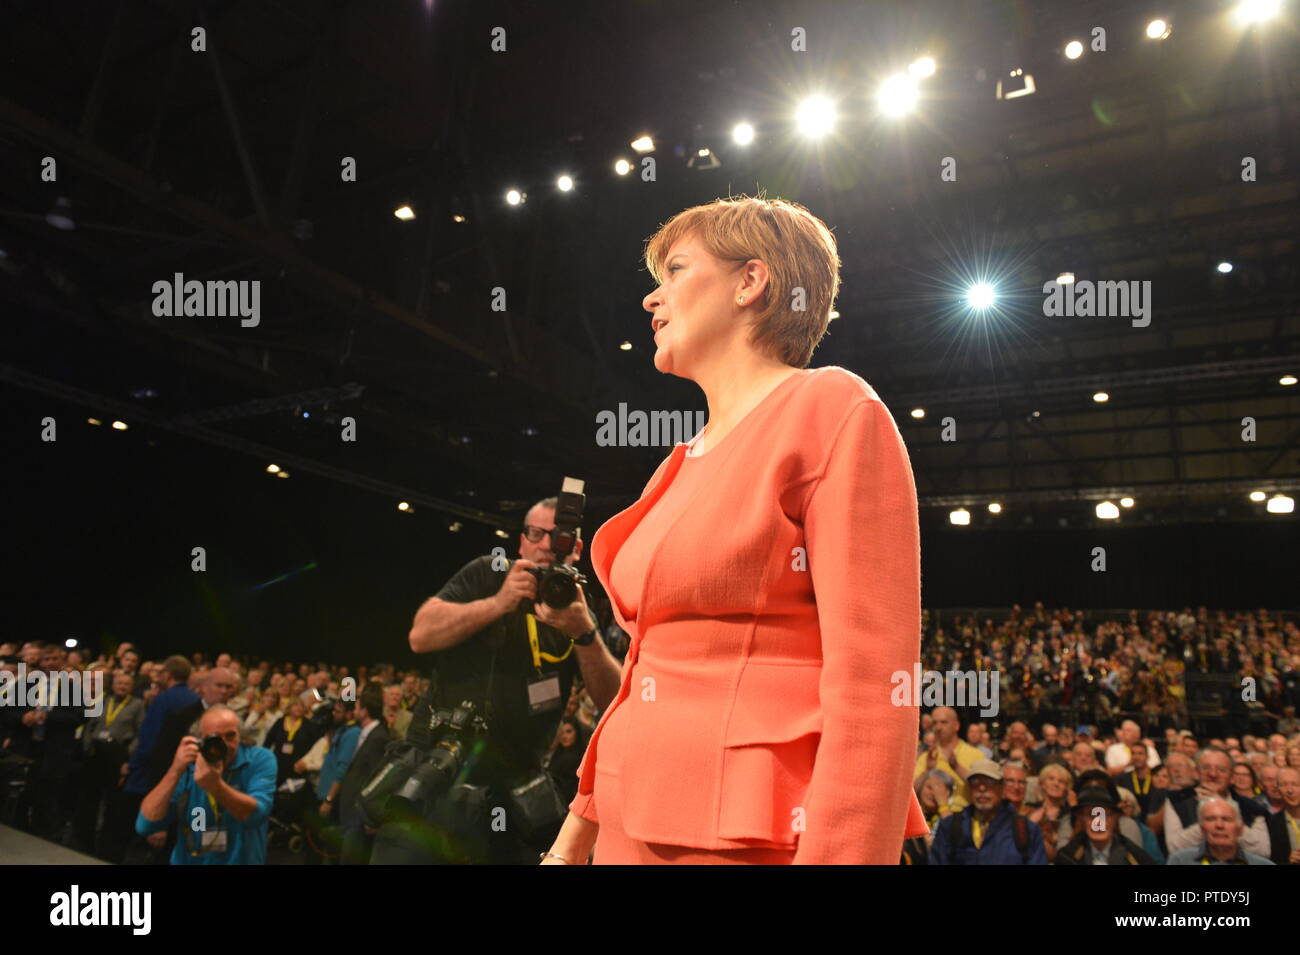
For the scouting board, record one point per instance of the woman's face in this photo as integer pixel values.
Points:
(698, 301)
(1053, 784)
(296, 709)
(1242, 780)
(933, 795)
(567, 736)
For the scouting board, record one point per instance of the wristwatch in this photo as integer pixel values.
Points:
(586, 639)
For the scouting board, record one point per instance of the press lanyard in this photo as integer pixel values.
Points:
(1205, 860)
(538, 654)
(1295, 827)
(290, 733)
(112, 713)
(976, 832)
(1137, 785)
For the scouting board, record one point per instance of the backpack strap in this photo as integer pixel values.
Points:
(1020, 826)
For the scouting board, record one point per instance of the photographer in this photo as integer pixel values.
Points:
(216, 793)
(519, 670)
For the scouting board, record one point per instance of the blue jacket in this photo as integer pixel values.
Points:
(165, 703)
(953, 844)
(252, 773)
(343, 746)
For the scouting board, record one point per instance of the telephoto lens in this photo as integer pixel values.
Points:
(214, 749)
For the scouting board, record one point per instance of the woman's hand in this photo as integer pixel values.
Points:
(576, 839)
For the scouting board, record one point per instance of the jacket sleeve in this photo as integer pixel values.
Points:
(862, 533)
(939, 849)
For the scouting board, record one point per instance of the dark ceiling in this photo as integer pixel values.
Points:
(225, 164)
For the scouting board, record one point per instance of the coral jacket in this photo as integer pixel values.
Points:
(771, 621)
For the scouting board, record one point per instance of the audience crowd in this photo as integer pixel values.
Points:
(1165, 739)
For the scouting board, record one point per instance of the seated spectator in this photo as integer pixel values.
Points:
(1015, 782)
(396, 718)
(219, 810)
(262, 714)
(1138, 778)
(1219, 827)
(1128, 805)
(988, 831)
(1268, 777)
(949, 753)
(1284, 826)
(1097, 839)
(1246, 785)
(1053, 815)
(1181, 830)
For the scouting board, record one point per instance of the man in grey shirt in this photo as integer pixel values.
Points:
(107, 740)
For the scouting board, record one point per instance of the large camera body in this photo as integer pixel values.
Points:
(557, 585)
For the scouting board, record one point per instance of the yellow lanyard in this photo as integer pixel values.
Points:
(1295, 827)
(1137, 786)
(112, 713)
(291, 732)
(976, 832)
(538, 654)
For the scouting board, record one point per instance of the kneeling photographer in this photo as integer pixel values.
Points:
(216, 793)
(468, 785)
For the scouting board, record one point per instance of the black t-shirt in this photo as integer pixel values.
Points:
(517, 738)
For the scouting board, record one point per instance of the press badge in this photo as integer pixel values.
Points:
(544, 694)
(287, 748)
(212, 840)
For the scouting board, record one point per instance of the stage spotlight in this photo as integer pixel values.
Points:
(70, 642)
(501, 533)
(282, 474)
(622, 167)
(981, 295)
(743, 134)
(1158, 30)
(1287, 380)
(1101, 397)
(564, 183)
(922, 67)
(119, 425)
(404, 506)
(273, 469)
(514, 197)
(1257, 496)
(1065, 278)
(1126, 502)
(1107, 511)
(458, 218)
(961, 516)
(94, 421)
(643, 144)
(1017, 83)
(455, 526)
(626, 346)
(815, 116)
(1280, 504)
(918, 412)
(1073, 50)
(995, 507)
(897, 95)
(1256, 11)
(405, 213)
(1224, 268)
(703, 158)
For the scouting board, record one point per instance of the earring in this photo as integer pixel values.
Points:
(741, 300)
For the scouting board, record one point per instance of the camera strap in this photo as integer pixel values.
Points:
(538, 653)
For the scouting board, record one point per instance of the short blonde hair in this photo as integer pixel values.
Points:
(798, 249)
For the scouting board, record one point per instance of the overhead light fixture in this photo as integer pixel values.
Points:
(1101, 397)
(815, 116)
(1224, 268)
(643, 144)
(458, 218)
(1257, 496)
(60, 215)
(119, 426)
(1065, 278)
(1280, 504)
(70, 642)
(922, 67)
(501, 533)
(404, 506)
(1126, 502)
(273, 469)
(1107, 510)
(1287, 380)
(918, 412)
(897, 95)
(1016, 83)
(1249, 12)
(1073, 50)
(961, 517)
(995, 507)
(703, 158)
(455, 526)
(742, 134)
(981, 295)
(564, 183)
(282, 474)
(94, 421)
(626, 346)
(515, 197)
(405, 213)
(622, 167)
(1158, 30)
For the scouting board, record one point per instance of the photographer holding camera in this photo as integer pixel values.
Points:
(513, 658)
(217, 793)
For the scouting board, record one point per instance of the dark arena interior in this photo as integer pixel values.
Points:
(317, 312)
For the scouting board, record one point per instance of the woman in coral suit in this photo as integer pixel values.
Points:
(769, 575)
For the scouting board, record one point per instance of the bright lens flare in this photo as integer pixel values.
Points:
(815, 116)
(981, 295)
(897, 95)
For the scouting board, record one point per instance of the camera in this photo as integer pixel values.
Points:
(557, 585)
(214, 749)
(411, 781)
